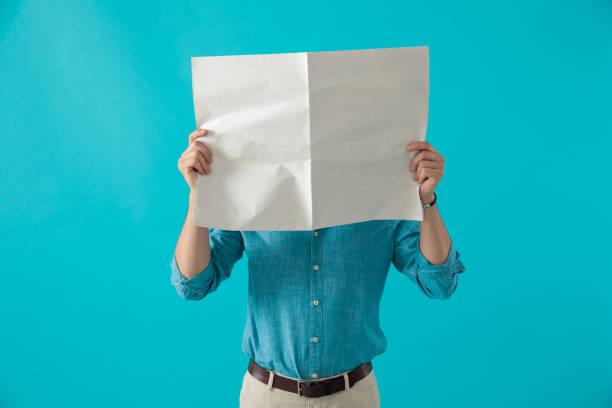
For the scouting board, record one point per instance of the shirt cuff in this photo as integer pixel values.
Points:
(200, 281)
(452, 264)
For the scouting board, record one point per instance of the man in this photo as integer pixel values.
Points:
(312, 324)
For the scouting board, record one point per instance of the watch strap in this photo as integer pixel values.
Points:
(432, 203)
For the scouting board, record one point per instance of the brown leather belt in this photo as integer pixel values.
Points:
(310, 388)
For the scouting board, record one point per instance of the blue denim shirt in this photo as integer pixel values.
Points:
(313, 297)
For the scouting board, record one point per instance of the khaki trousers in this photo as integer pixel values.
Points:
(255, 394)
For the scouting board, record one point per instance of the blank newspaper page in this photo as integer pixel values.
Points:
(365, 106)
(256, 110)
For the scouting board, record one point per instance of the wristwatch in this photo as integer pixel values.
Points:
(426, 206)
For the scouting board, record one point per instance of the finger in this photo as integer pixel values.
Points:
(192, 161)
(198, 161)
(186, 166)
(428, 173)
(420, 145)
(204, 166)
(430, 164)
(423, 155)
(202, 148)
(200, 157)
(197, 165)
(197, 133)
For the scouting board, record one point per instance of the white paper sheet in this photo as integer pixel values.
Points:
(302, 141)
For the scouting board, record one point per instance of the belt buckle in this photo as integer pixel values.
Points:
(299, 385)
(318, 383)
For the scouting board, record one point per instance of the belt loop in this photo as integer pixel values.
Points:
(346, 382)
(270, 380)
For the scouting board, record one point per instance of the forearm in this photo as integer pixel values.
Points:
(434, 238)
(193, 247)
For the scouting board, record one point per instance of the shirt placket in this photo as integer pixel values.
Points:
(315, 326)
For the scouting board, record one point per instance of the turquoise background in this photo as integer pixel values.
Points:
(96, 106)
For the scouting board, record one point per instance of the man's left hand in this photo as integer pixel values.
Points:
(428, 168)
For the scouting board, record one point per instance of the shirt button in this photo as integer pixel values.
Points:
(316, 267)
(316, 233)
(314, 375)
(315, 339)
(315, 302)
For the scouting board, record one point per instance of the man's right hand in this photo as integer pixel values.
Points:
(195, 159)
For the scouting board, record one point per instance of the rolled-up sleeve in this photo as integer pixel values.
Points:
(226, 248)
(436, 281)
